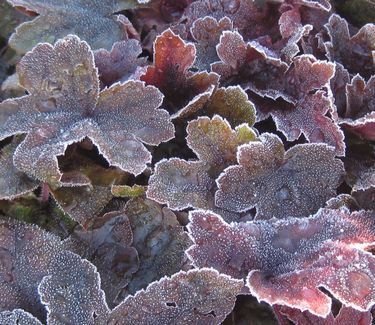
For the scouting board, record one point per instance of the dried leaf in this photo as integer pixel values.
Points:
(279, 184)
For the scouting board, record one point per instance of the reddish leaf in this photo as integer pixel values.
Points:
(65, 106)
(288, 260)
(200, 296)
(279, 184)
(172, 59)
(346, 316)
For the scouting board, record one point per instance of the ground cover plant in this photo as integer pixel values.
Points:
(187, 162)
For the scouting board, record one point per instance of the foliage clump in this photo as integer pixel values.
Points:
(190, 162)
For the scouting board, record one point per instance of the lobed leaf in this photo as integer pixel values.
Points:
(72, 292)
(359, 116)
(279, 184)
(356, 53)
(206, 32)
(196, 296)
(181, 88)
(231, 103)
(65, 106)
(120, 63)
(94, 21)
(288, 260)
(182, 184)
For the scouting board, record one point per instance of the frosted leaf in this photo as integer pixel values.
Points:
(244, 15)
(356, 53)
(346, 316)
(120, 63)
(182, 184)
(94, 21)
(127, 191)
(206, 32)
(279, 184)
(259, 70)
(316, 4)
(26, 253)
(18, 317)
(159, 240)
(338, 86)
(64, 106)
(288, 260)
(232, 104)
(308, 117)
(13, 183)
(72, 292)
(359, 116)
(82, 203)
(172, 59)
(193, 297)
(107, 244)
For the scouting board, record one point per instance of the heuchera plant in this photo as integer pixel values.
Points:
(186, 162)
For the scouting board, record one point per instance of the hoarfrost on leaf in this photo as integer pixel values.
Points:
(64, 106)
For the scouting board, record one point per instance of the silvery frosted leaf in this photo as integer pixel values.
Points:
(277, 183)
(26, 253)
(71, 292)
(18, 317)
(206, 32)
(94, 21)
(285, 261)
(200, 296)
(64, 106)
(182, 184)
(359, 116)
